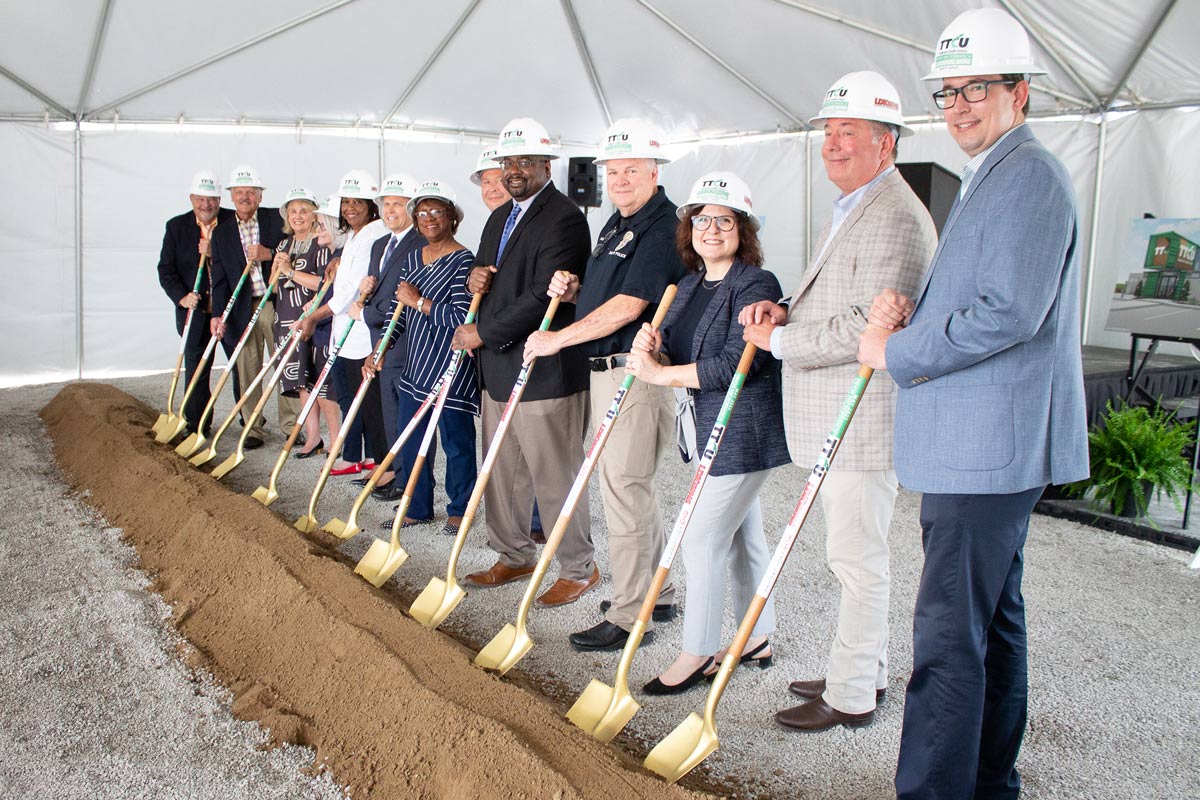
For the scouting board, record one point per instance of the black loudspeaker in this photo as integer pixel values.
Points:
(582, 186)
(935, 185)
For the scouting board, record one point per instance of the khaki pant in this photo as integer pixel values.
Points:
(546, 435)
(858, 512)
(643, 432)
(261, 338)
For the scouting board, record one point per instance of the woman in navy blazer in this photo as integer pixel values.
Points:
(702, 339)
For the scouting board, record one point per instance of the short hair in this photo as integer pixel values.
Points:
(882, 128)
(372, 213)
(1017, 77)
(749, 248)
(287, 228)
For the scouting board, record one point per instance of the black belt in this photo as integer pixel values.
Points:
(605, 363)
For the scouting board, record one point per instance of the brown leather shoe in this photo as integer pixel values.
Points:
(817, 715)
(564, 591)
(811, 690)
(498, 575)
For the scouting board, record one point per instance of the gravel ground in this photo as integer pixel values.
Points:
(1114, 635)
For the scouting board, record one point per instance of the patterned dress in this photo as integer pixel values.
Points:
(306, 362)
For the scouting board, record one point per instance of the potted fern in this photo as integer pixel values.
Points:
(1133, 451)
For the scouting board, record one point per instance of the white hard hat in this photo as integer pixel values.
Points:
(205, 184)
(332, 207)
(631, 138)
(864, 95)
(244, 175)
(721, 189)
(524, 137)
(487, 160)
(985, 41)
(357, 183)
(299, 193)
(398, 184)
(438, 191)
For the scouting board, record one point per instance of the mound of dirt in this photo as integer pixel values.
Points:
(312, 651)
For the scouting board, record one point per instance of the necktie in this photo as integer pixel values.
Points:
(509, 224)
(387, 254)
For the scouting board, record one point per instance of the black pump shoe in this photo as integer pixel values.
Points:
(752, 659)
(657, 687)
(316, 451)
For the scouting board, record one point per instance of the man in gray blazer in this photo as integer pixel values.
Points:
(880, 236)
(990, 410)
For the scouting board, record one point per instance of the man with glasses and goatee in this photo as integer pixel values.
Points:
(524, 241)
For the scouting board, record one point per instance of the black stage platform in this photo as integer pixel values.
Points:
(1105, 372)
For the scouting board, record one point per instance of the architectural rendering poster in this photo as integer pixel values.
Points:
(1157, 292)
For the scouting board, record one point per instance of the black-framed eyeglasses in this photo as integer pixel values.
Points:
(701, 222)
(431, 213)
(520, 163)
(603, 240)
(972, 93)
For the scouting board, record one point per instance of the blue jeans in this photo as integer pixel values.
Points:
(965, 710)
(457, 429)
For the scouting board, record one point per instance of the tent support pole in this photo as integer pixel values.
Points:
(807, 200)
(382, 159)
(78, 251)
(1101, 147)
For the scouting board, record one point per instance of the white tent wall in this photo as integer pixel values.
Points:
(37, 254)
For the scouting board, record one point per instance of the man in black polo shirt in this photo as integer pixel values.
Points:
(632, 264)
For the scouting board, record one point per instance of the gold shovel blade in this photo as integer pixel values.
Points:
(342, 530)
(170, 431)
(601, 711)
(226, 466)
(380, 562)
(504, 651)
(307, 523)
(204, 456)
(265, 496)
(163, 419)
(190, 445)
(683, 749)
(435, 602)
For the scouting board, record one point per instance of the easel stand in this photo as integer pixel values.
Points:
(1134, 392)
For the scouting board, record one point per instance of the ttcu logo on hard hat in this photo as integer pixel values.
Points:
(709, 184)
(836, 91)
(619, 137)
(510, 134)
(956, 42)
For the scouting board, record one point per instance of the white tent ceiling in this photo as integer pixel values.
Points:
(697, 67)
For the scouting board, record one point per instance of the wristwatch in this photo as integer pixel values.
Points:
(421, 305)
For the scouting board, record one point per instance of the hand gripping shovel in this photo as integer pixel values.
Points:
(168, 420)
(307, 523)
(603, 710)
(441, 597)
(512, 642)
(696, 737)
(193, 443)
(281, 356)
(270, 493)
(169, 431)
(347, 529)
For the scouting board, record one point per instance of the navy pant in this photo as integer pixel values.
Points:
(965, 709)
(193, 348)
(457, 430)
(368, 423)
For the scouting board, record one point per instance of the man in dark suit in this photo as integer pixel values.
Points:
(389, 254)
(254, 234)
(185, 241)
(523, 243)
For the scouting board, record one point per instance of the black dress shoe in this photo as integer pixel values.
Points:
(604, 636)
(817, 715)
(363, 481)
(664, 612)
(393, 491)
(811, 690)
(657, 687)
(316, 451)
(253, 442)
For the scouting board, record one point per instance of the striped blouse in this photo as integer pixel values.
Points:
(444, 284)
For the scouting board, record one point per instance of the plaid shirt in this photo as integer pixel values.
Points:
(248, 231)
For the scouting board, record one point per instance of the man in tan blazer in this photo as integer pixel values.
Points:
(880, 235)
